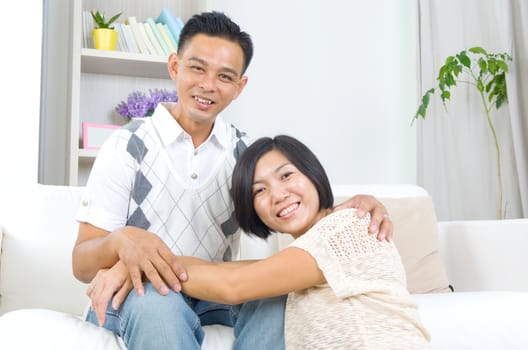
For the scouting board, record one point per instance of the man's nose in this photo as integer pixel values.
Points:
(208, 82)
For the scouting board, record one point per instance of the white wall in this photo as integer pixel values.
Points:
(20, 93)
(340, 76)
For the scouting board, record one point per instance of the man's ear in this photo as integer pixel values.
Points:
(241, 85)
(172, 65)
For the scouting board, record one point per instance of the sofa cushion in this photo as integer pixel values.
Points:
(55, 330)
(485, 254)
(416, 236)
(475, 320)
(28, 329)
(39, 234)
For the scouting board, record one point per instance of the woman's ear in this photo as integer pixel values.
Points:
(172, 65)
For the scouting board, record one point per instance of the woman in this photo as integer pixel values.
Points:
(346, 288)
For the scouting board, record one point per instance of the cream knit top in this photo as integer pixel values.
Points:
(365, 303)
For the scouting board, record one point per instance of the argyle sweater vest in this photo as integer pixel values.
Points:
(198, 222)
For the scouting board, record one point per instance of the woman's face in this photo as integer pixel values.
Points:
(284, 198)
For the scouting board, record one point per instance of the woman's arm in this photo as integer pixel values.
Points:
(290, 270)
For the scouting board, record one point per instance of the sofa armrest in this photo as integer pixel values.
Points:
(485, 255)
(39, 233)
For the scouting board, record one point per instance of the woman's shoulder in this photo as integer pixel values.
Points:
(343, 216)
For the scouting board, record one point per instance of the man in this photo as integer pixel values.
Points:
(160, 188)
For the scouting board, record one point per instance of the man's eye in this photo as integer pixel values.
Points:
(197, 68)
(226, 77)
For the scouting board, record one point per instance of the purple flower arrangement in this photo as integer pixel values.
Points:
(139, 105)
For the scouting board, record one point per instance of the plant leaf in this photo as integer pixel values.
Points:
(480, 85)
(477, 50)
(464, 59)
(502, 65)
(483, 65)
(492, 66)
(489, 85)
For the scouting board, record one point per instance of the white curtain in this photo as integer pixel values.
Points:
(456, 153)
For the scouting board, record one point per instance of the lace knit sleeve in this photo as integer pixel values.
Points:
(352, 260)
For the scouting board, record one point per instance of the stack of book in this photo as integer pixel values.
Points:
(152, 37)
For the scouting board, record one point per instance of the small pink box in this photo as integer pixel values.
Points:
(94, 135)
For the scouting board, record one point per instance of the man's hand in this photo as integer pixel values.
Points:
(103, 286)
(143, 252)
(380, 222)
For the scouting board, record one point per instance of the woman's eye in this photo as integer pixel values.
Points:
(257, 191)
(286, 175)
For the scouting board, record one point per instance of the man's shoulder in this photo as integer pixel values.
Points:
(239, 140)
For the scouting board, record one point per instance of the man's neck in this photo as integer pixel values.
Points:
(199, 132)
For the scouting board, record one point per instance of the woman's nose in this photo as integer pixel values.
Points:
(279, 194)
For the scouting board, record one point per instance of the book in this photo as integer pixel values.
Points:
(153, 40)
(142, 46)
(175, 24)
(172, 46)
(151, 49)
(129, 38)
(157, 34)
(121, 43)
(175, 40)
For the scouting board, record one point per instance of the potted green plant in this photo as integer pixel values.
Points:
(104, 35)
(487, 73)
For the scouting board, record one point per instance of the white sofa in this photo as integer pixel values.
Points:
(42, 304)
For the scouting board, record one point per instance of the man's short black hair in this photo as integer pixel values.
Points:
(242, 182)
(217, 24)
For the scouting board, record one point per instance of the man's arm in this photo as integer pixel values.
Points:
(142, 252)
(380, 222)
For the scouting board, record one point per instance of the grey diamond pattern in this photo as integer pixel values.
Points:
(230, 226)
(138, 219)
(136, 147)
(142, 187)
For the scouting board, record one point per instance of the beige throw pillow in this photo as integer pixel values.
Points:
(416, 236)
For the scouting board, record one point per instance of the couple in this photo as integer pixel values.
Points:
(152, 199)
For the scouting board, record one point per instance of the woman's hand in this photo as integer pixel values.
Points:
(380, 222)
(104, 285)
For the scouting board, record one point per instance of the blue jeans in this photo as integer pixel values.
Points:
(175, 321)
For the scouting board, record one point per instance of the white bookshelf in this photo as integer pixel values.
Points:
(123, 63)
(99, 80)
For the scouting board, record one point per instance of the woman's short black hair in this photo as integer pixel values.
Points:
(217, 24)
(242, 182)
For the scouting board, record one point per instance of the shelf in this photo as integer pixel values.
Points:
(123, 63)
(87, 153)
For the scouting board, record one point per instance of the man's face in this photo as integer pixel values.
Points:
(208, 77)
